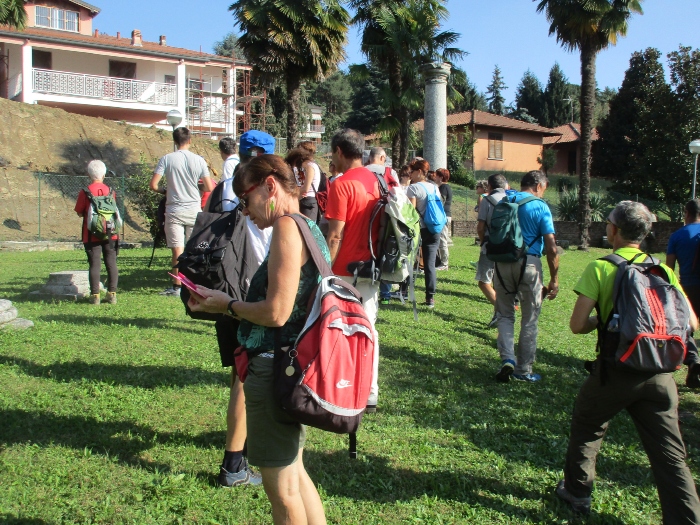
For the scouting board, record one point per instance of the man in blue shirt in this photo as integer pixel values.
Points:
(525, 278)
(683, 247)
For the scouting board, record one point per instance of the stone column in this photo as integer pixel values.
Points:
(27, 73)
(435, 131)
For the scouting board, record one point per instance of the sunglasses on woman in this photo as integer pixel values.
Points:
(242, 197)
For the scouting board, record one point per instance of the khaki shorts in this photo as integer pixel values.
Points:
(274, 438)
(178, 227)
(484, 270)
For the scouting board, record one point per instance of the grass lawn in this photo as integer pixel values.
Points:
(115, 414)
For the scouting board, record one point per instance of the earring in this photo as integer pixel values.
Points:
(272, 205)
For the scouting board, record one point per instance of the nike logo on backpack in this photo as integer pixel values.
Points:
(343, 383)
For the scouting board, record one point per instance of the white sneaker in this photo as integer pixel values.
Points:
(172, 292)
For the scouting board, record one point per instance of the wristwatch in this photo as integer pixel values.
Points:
(229, 308)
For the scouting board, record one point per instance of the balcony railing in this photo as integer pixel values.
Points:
(108, 88)
(317, 128)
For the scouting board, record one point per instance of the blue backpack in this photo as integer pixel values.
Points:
(434, 217)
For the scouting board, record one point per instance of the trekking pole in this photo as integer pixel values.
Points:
(153, 253)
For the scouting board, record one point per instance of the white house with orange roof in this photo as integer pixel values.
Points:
(60, 60)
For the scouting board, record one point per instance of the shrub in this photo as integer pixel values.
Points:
(142, 198)
(567, 209)
(457, 155)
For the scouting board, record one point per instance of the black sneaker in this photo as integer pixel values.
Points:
(245, 476)
(507, 367)
(580, 505)
(692, 380)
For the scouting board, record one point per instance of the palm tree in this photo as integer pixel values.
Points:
(589, 26)
(292, 40)
(399, 36)
(12, 13)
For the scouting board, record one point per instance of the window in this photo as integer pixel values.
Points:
(57, 18)
(170, 79)
(496, 146)
(122, 69)
(41, 59)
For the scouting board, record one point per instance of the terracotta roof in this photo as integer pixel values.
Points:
(482, 118)
(570, 132)
(103, 41)
(87, 6)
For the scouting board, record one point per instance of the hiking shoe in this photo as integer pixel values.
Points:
(494, 320)
(172, 292)
(111, 298)
(530, 378)
(507, 367)
(94, 298)
(580, 505)
(245, 476)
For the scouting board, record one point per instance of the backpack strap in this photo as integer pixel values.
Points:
(528, 199)
(491, 199)
(319, 260)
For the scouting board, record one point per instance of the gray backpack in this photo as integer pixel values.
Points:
(648, 326)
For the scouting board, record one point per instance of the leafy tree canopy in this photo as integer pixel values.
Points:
(228, 46)
(12, 13)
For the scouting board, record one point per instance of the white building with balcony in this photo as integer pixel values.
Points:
(59, 60)
(314, 127)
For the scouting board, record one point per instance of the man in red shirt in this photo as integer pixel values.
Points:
(351, 199)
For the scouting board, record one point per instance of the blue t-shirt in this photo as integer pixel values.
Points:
(535, 221)
(684, 244)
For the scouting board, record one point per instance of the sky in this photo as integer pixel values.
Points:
(507, 33)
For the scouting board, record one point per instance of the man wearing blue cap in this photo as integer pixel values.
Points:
(234, 470)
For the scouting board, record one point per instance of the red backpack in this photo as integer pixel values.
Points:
(324, 379)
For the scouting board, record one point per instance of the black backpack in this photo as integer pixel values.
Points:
(218, 254)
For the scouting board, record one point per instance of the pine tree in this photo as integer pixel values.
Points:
(529, 96)
(497, 102)
(556, 108)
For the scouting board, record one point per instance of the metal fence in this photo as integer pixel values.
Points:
(44, 209)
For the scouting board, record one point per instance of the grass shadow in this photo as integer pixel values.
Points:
(147, 377)
(183, 325)
(373, 478)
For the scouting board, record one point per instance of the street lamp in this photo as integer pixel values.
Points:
(174, 117)
(694, 148)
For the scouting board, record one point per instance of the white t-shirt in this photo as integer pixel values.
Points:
(316, 181)
(182, 170)
(259, 239)
(227, 193)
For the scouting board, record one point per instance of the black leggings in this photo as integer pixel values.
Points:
(429, 243)
(109, 250)
(309, 206)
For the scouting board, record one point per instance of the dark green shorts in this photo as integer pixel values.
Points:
(274, 438)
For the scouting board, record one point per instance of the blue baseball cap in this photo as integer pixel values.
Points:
(256, 139)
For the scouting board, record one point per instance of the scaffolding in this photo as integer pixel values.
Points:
(208, 111)
(250, 101)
